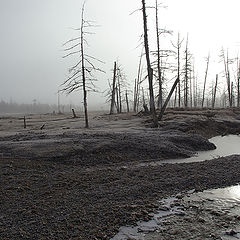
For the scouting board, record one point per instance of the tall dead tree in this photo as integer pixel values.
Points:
(160, 94)
(137, 84)
(187, 69)
(205, 80)
(179, 43)
(238, 83)
(113, 88)
(226, 62)
(215, 92)
(82, 73)
(126, 98)
(167, 100)
(149, 68)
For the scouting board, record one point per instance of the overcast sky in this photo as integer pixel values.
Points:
(33, 31)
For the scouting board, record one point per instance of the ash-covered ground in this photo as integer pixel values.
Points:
(67, 182)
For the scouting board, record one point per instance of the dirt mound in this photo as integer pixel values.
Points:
(106, 148)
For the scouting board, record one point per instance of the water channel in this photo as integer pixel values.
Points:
(223, 199)
(226, 145)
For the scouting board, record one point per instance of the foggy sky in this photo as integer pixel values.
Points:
(33, 31)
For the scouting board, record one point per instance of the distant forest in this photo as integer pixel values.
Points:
(35, 107)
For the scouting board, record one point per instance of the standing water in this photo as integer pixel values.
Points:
(224, 201)
(226, 145)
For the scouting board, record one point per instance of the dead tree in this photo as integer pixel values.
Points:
(82, 73)
(113, 88)
(215, 92)
(117, 99)
(167, 100)
(238, 88)
(160, 54)
(179, 43)
(126, 96)
(187, 69)
(160, 94)
(226, 62)
(74, 114)
(137, 84)
(149, 68)
(205, 80)
(238, 82)
(24, 122)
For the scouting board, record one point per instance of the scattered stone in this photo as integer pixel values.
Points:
(231, 232)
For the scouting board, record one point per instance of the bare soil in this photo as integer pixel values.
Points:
(67, 182)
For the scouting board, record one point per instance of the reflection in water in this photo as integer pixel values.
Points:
(223, 201)
(227, 145)
(231, 194)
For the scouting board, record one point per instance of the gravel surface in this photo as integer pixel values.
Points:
(76, 184)
(45, 200)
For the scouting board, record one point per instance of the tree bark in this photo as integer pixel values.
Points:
(215, 91)
(127, 102)
(83, 74)
(149, 68)
(113, 88)
(205, 80)
(167, 100)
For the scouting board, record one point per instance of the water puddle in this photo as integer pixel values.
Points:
(223, 203)
(226, 145)
(168, 207)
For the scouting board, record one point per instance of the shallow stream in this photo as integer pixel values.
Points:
(225, 201)
(226, 145)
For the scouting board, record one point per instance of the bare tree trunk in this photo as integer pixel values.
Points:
(135, 96)
(127, 102)
(167, 100)
(215, 92)
(190, 87)
(83, 75)
(149, 68)
(232, 97)
(74, 114)
(193, 87)
(113, 88)
(136, 103)
(186, 77)
(178, 71)
(117, 103)
(205, 80)
(119, 95)
(238, 86)
(24, 122)
(227, 74)
(175, 99)
(158, 59)
(143, 97)
(59, 110)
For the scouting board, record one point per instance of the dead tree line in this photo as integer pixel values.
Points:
(117, 88)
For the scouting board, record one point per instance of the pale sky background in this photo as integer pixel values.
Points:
(33, 31)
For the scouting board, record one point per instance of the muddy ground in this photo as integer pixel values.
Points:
(66, 182)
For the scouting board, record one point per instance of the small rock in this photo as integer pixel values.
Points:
(164, 208)
(180, 213)
(231, 232)
(191, 191)
(179, 196)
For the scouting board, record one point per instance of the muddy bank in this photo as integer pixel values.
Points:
(91, 149)
(46, 200)
(212, 214)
